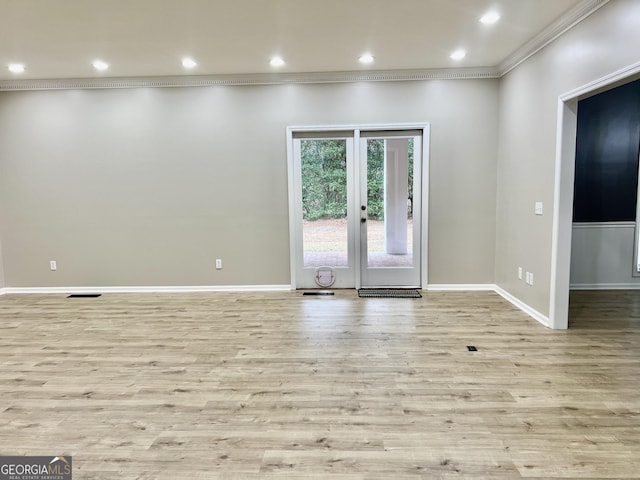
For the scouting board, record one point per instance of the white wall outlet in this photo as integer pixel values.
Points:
(218, 264)
(527, 276)
(519, 273)
(53, 265)
(539, 208)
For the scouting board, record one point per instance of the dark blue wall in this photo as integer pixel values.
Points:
(607, 148)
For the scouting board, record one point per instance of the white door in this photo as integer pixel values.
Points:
(355, 203)
(324, 227)
(390, 208)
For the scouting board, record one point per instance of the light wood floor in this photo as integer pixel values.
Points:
(277, 385)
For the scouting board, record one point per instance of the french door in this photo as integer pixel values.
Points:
(356, 206)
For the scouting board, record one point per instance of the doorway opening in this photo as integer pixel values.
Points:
(564, 189)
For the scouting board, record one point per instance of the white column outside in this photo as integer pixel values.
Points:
(396, 174)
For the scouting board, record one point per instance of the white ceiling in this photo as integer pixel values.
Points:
(58, 39)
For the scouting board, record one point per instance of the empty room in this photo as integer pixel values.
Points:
(319, 239)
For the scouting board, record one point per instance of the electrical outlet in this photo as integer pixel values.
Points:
(539, 209)
(527, 276)
(218, 264)
(519, 273)
(53, 265)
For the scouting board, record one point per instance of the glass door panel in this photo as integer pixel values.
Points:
(324, 171)
(390, 227)
(324, 203)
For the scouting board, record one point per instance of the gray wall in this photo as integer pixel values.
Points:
(603, 43)
(148, 186)
(1, 268)
(602, 255)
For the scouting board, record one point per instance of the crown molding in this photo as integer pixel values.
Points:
(564, 23)
(548, 35)
(250, 79)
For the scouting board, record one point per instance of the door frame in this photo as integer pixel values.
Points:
(294, 233)
(567, 126)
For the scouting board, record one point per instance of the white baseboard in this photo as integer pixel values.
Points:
(270, 288)
(532, 312)
(173, 289)
(461, 287)
(604, 286)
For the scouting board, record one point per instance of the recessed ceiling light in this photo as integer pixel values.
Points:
(100, 65)
(458, 54)
(366, 58)
(490, 18)
(16, 67)
(277, 62)
(189, 63)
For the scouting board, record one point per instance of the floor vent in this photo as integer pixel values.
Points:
(84, 295)
(319, 293)
(471, 348)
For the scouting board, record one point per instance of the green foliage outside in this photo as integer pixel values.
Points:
(324, 178)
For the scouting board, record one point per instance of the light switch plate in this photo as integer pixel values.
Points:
(539, 208)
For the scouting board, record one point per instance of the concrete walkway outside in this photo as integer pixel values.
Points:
(325, 244)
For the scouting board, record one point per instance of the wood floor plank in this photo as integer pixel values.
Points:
(277, 385)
